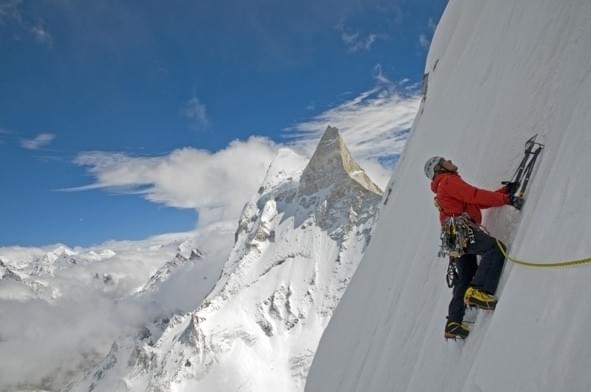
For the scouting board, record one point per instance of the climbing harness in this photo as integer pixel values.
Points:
(531, 264)
(456, 234)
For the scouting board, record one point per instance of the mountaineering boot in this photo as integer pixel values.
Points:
(456, 330)
(480, 299)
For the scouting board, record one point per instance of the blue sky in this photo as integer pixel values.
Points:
(110, 110)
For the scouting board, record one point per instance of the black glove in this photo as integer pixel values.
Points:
(516, 201)
(510, 187)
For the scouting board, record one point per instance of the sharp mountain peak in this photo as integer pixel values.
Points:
(331, 161)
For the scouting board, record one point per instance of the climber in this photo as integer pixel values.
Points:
(475, 285)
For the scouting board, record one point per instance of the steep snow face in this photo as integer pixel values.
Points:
(297, 245)
(499, 72)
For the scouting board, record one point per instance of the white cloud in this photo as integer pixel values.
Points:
(355, 42)
(44, 342)
(41, 34)
(38, 141)
(196, 113)
(379, 76)
(378, 173)
(431, 24)
(424, 41)
(374, 124)
(9, 10)
(10, 13)
(215, 184)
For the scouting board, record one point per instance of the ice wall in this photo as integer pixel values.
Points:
(499, 71)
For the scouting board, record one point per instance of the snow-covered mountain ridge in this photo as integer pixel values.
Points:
(185, 255)
(45, 267)
(499, 72)
(61, 307)
(298, 242)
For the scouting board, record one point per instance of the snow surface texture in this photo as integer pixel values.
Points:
(61, 308)
(298, 242)
(500, 71)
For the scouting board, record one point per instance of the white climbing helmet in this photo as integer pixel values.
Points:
(431, 166)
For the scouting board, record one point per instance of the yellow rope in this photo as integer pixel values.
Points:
(560, 264)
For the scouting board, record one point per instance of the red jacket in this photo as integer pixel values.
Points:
(454, 196)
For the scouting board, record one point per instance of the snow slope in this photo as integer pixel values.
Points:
(298, 242)
(500, 71)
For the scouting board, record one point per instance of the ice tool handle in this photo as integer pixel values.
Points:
(523, 172)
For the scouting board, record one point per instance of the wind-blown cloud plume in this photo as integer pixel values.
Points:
(424, 41)
(215, 184)
(10, 14)
(375, 126)
(38, 141)
(196, 113)
(41, 34)
(424, 38)
(355, 42)
(9, 10)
